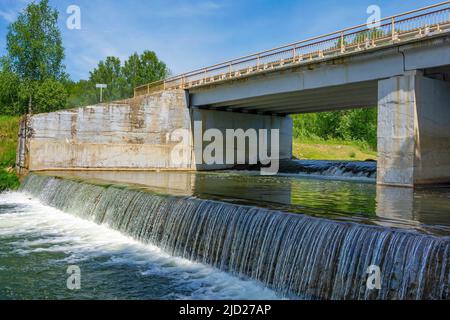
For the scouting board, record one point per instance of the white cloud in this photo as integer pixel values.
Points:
(189, 9)
(9, 16)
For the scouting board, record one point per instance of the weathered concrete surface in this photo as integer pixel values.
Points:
(136, 134)
(413, 130)
(222, 121)
(120, 136)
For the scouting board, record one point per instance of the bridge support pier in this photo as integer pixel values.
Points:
(413, 130)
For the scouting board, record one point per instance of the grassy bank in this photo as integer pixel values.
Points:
(9, 127)
(332, 149)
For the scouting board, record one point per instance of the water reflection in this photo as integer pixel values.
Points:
(349, 199)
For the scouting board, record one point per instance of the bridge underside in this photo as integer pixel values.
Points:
(410, 84)
(355, 95)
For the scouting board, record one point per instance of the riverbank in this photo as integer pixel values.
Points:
(320, 149)
(9, 127)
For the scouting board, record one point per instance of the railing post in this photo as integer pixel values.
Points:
(342, 43)
(393, 28)
(257, 65)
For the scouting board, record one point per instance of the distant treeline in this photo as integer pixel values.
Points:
(33, 77)
(53, 94)
(359, 125)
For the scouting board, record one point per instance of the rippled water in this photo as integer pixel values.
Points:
(38, 243)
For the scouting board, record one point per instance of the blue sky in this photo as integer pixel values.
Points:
(191, 34)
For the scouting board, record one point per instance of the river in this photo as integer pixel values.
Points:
(222, 235)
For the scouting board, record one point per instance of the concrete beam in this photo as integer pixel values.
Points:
(365, 67)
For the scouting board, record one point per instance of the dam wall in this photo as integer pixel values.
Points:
(129, 135)
(143, 133)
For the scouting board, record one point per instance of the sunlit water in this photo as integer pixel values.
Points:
(38, 243)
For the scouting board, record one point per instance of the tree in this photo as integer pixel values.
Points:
(50, 95)
(9, 90)
(122, 79)
(109, 72)
(34, 46)
(143, 69)
(81, 93)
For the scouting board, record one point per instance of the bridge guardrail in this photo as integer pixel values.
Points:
(395, 29)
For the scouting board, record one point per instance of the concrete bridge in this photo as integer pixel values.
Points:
(402, 65)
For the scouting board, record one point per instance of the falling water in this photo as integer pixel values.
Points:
(297, 255)
(356, 169)
(324, 168)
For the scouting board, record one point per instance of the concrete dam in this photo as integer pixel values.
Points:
(138, 134)
(311, 230)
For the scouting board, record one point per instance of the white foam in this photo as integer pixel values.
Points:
(55, 231)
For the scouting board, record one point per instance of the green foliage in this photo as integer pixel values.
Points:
(143, 69)
(34, 62)
(9, 127)
(358, 125)
(122, 79)
(9, 93)
(49, 96)
(34, 44)
(81, 93)
(8, 181)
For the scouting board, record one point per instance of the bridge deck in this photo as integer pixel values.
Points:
(402, 28)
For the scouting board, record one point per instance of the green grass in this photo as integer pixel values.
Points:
(9, 127)
(313, 148)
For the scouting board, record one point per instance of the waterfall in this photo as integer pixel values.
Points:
(356, 169)
(296, 255)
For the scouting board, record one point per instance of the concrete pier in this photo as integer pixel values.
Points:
(413, 130)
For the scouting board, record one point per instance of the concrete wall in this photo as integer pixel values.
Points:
(113, 136)
(413, 130)
(432, 161)
(135, 134)
(222, 121)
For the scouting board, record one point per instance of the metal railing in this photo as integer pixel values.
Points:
(403, 27)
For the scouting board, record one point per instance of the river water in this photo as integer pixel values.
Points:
(38, 243)
(91, 219)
